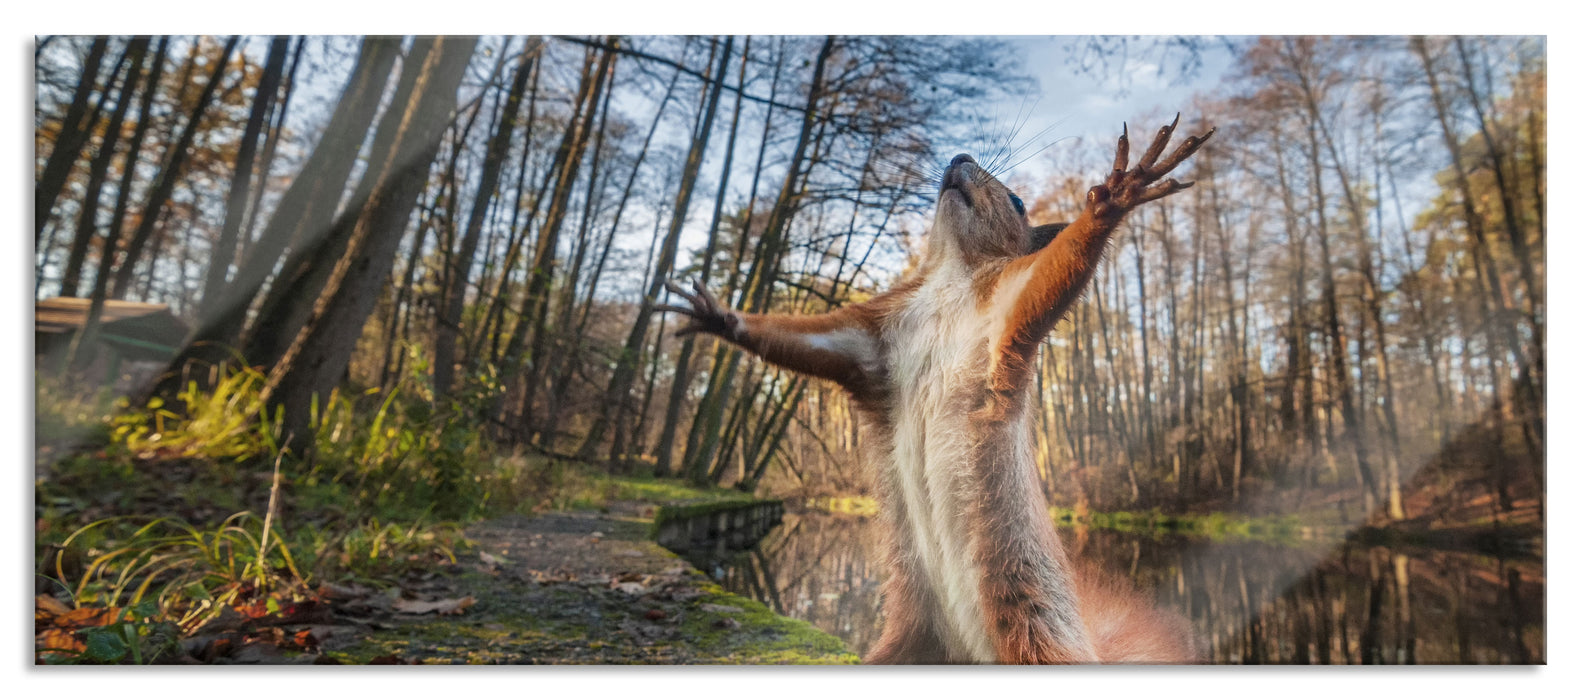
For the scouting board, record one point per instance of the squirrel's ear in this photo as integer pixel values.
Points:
(1040, 236)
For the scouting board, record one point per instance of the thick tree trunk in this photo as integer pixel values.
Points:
(307, 270)
(317, 357)
(301, 218)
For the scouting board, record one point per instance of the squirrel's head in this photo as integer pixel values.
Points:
(979, 219)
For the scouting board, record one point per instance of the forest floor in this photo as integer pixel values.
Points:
(582, 585)
(585, 588)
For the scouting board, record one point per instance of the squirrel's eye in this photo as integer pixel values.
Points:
(1017, 202)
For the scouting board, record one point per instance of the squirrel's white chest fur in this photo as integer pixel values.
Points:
(939, 356)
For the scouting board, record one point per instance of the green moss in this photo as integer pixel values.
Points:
(502, 637)
(686, 511)
(580, 486)
(763, 638)
(1284, 529)
(866, 506)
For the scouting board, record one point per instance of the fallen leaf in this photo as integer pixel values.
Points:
(57, 639)
(48, 607)
(654, 614)
(449, 606)
(301, 640)
(88, 617)
(630, 588)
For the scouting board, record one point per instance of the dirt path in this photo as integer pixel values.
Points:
(590, 587)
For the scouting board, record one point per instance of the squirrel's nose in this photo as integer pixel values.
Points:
(962, 158)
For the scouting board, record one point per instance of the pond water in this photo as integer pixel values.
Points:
(1248, 601)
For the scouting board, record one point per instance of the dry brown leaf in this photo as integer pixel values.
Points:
(88, 617)
(57, 639)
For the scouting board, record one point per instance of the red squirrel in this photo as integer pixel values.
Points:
(940, 367)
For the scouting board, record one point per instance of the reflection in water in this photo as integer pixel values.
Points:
(1249, 602)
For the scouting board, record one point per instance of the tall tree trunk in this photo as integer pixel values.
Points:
(561, 377)
(1146, 405)
(1340, 372)
(683, 376)
(278, 110)
(1297, 422)
(302, 216)
(1241, 456)
(494, 316)
(706, 421)
(320, 350)
(87, 221)
(535, 306)
(760, 280)
(108, 254)
(626, 365)
(99, 169)
(556, 368)
(306, 273)
(75, 129)
(224, 252)
(170, 173)
(455, 292)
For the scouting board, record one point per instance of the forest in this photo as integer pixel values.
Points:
(361, 292)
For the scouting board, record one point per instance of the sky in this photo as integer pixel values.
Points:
(1092, 106)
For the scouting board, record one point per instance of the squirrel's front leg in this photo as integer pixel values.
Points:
(841, 346)
(1035, 291)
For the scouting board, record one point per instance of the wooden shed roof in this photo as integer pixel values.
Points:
(63, 314)
(138, 330)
